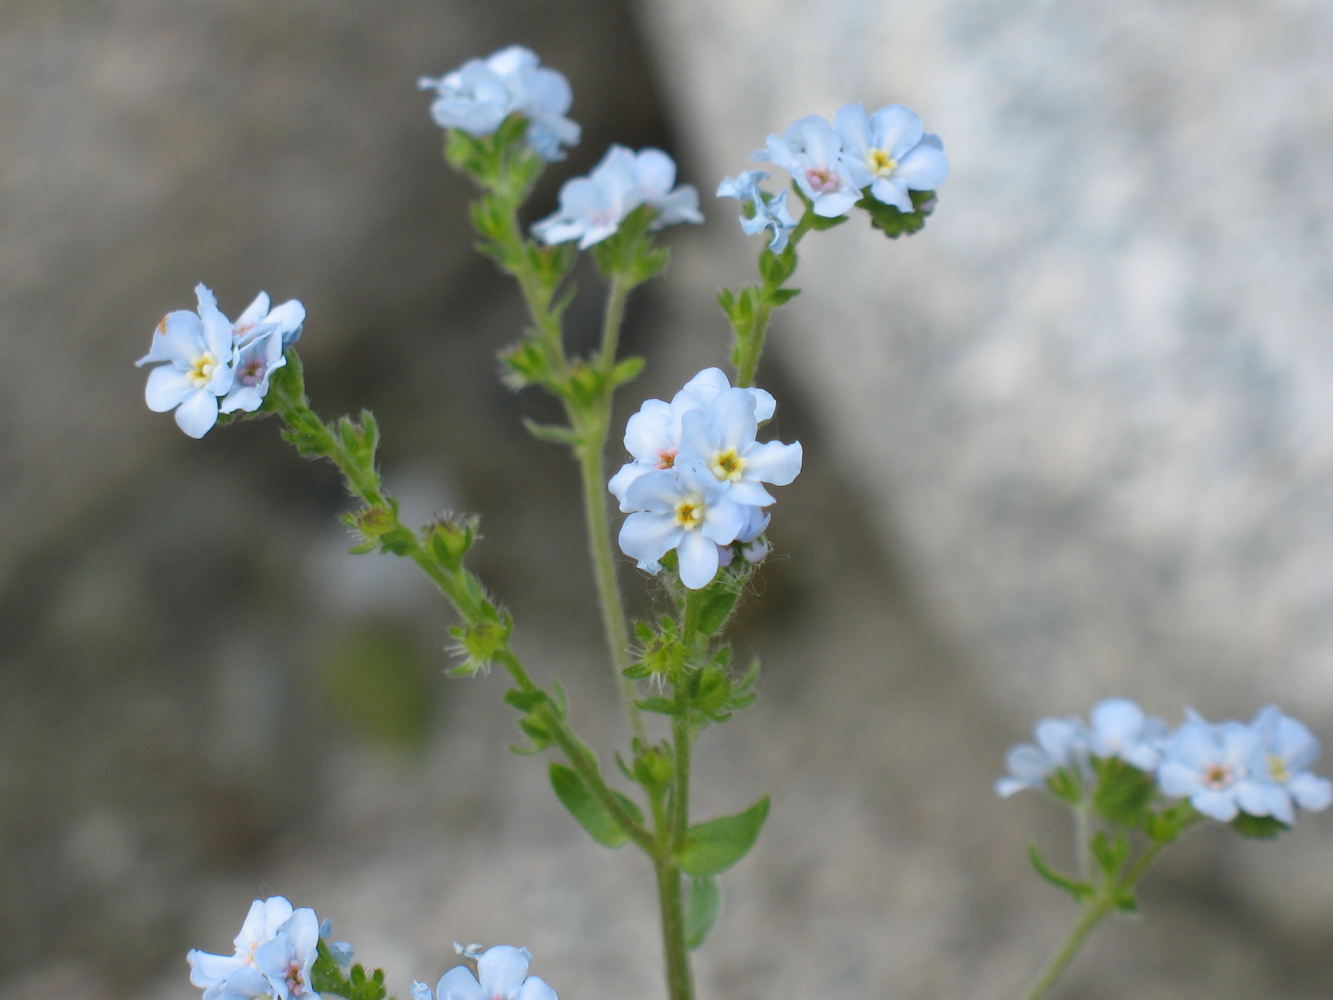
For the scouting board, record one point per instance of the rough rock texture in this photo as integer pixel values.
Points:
(183, 634)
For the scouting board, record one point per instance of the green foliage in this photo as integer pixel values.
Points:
(661, 653)
(653, 768)
(589, 810)
(1123, 793)
(1066, 784)
(631, 252)
(713, 693)
(716, 845)
(718, 600)
(893, 222)
(1258, 827)
(450, 538)
(1081, 891)
(326, 977)
(701, 914)
(1166, 825)
(482, 638)
(378, 683)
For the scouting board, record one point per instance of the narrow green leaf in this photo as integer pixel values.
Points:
(551, 432)
(662, 706)
(1079, 890)
(717, 605)
(704, 906)
(585, 807)
(716, 845)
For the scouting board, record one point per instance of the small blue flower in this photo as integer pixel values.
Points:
(1213, 766)
(1121, 729)
(481, 94)
(1285, 752)
(889, 153)
(770, 211)
(812, 153)
(199, 352)
(593, 207)
(1061, 743)
(502, 974)
(341, 953)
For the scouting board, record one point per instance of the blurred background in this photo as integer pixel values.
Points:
(1075, 439)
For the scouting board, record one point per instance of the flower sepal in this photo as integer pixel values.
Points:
(1258, 827)
(891, 221)
(503, 157)
(631, 253)
(357, 984)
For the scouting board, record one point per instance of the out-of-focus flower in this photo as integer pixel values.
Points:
(482, 93)
(1121, 729)
(1060, 742)
(889, 153)
(286, 959)
(812, 153)
(502, 974)
(770, 211)
(593, 207)
(258, 319)
(1286, 749)
(197, 352)
(1211, 766)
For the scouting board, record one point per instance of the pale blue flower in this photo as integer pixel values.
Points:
(770, 211)
(481, 94)
(1213, 766)
(1121, 729)
(812, 153)
(889, 153)
(341, 953)
(274, 952)
(502, 974)
(652, 436)
(1286, 749)
(722, 439)
(683, 508)
(258, 319)
(286, 958)
(593, 207)
(255, 364)
(1061, 743)
(753, 548)
(197, 352)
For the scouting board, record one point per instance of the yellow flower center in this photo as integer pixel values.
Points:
(1278, 769)
(881, 164)
(690, 513)
(728, 465)
(201, 370)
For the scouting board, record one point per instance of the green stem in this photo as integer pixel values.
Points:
(1094, 911)
(753, 349)
(680, 981)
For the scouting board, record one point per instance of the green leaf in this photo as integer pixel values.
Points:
(1123, 792)
(627, 370)
(774, 268)
(781, 296)
(704, 906)
(716, 845)
(1079, 890)
(1066, 785)
(585, 807)
(718, 601)
(1258, 827)
(662, 706)
(1111, 854)
(552, 432)
(894, 223)
(326, 977)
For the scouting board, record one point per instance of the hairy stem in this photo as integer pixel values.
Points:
(680, 980)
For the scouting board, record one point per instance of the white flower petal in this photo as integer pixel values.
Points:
(254, 312)
(502, 971)
(923, 169)
(647, 537)
(197, 413)
(707, 384)
(178, 338)
(655, 173)
(734, 422)
(897, 129)
(459, 984)
(536, 989)
(853, 125)
(167, 388)
(697, 555)
(1310, 791)
(774, 462)
(764, 403)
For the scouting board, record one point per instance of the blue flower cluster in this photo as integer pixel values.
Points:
(482, 93)
(209, 365)
(1225, 769)
(883, 156)
(695, 484)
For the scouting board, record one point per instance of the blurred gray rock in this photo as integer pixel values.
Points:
(1091, 401)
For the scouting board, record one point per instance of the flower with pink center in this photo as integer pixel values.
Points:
(811, 151)
(1211, 766)
(502, 974)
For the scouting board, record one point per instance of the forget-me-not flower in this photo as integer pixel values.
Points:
(1286, 749)
(1121, 729)
(889, 153)
(482, 93)
(502, 974)
(258, 319)
(770, 211)
(1060, 744)
(275, 950)
(1213, 766)
(812, 153)
(195, 353)
(652, 436)
(683, 508)
(593, 207)
(722, 438)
